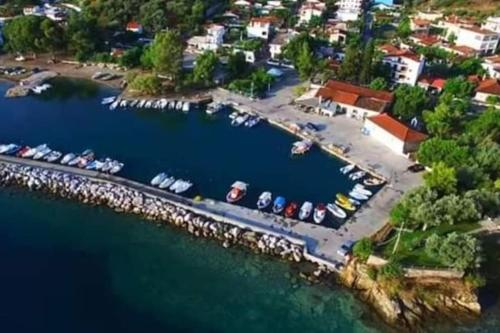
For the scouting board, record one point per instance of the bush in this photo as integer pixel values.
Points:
(148, 84)
(475, 280)
(391, 271)
(363, 249)
(372, 273)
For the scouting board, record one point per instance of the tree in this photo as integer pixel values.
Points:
(23, 34)
(441, 150)
(82, 36)
(148, 84)
(447, 118)
(471, 66)
(410, 102)
(459, 251)
(154, 16)
(52, 36)
(295, 47)
(166, 54)
(349, 68)
(131, 58)
(305, 62)
(442, 178)
(379, 84)
(366, 72)
(404, 28)
(363, 248)
(204, 70)
(197, 14)
(237, 65)
(452, 38)
(458, 87)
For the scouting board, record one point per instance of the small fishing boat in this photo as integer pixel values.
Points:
(305, 210)
(108, 100)
(74, 161)
(99, 164)
(123, 103)
(183, 186)
(41, 153)
(357, 175)
(148, 104)
(252, 122)
(13, 150)
(361, 189)
(167, 182)
(373, 181)
(234, 115)
(319, 213)
(134, 103)
(178, 106)
(116, 167)
(141, 103)
(237, 192)
(279, 205)
(186, 106)
(264, 200)
(341, 197)
(336, 211)
(108, 164)
(33, 151)
(291, 210)
(158, 179)
(358, 196)
(23, 151)
(301, 147)
(175, 184)
(94, 165)
(346, 169)
(67, 158)
(345, 205)
(53, 156)
(214, 108)
(238, 121)
(115, 104)
(354, 202)
(171, 105)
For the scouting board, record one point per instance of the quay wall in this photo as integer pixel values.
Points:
(199, 218)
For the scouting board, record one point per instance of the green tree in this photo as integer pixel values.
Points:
(459, 251)
(442, 178)
(366, 72)
(379, 83)
(147, 84)
(295, 47)
(458, 87)
(166, 54)
(441, 150)
(410, 102)
(204, 70)
(404, 28)
(23, 34)
(447, 119)
(452, 38)
(131, 58)
(471, 66)
(349, 69)
(197, 14)
(154, 15)
(237, 65)
(363, 248)
(52, 36)
(305, 62)
(391, 271)
(82, 36)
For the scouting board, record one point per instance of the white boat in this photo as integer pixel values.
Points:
(373, 182)
(319, 213)
(67, 158)
(116, 167)
(336, 211)
(178, 106)
(123, 103)
(237, 192)
(265, 200)
(239, 120)
(186, 106)
(305, 210)
(215, 107)
(6, 148)
(53, 156)
(357, 195)
(171, 104)
(147, 105)
(167, 182)
(108, 164)
(108, 100)
(252, 122)
(158, 179)
(174, 186)
(348, 168)
(183, 186)
(41, 153)
(75, 161)
(141, 103)
(234, 115)
(114, 105)
(357, 175)
(354, 202)
(134, 103)
(33, 151)
(301, 147)
(359, 188)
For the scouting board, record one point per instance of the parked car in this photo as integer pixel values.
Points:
(416, 168)
(345, 249)
(312, 127)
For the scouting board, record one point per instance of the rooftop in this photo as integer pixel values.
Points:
(394, 51)
(397, 129)
(489, 86)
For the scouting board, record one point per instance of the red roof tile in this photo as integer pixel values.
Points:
(490, 86)
(393, 51)
(365, 92)
(397, 129)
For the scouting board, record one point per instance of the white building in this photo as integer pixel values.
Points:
(400, 138)
(349, 10)
(277, 44)
(259, 27)
(405, 65)
(483, 41)
(212, 41)
(310, 9)
(250, 56)
(492, 23)
(492, 66)
(354, 101)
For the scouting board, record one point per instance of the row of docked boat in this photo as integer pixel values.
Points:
(245, 119)
(357, 175)
(160, 104)
(166, 182)
(85, 160)
(301, 147)
(290, 210)
(357, 195)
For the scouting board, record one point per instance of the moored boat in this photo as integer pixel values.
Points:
(252, 122)
(357, 175)
(166, 183)
(348, 168)
(67, 158)
(116, 167)
(361, 189)
(183, 186)
(74, 161)
(108, 100)
(41, 153)
(373, 181)
(238, 121)
(346, 205)
(305, 210)
(33, 151)
(336, 211)
(186, 106)
(237, 192)
(264, 200)
(158, 179)
(358, 196)
(53, 156)
(319, 213)
(301, 147)
(291, 210)
(279, 205)
(23, 151)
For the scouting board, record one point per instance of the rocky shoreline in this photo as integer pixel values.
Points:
(126, 200)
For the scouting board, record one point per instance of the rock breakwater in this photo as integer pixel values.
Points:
(124, 199)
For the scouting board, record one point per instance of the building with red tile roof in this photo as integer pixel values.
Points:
(399, 137)
(134, 27)
(406, 66)
(487, 88)
(431, 83)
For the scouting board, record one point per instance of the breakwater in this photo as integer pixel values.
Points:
(128, 200)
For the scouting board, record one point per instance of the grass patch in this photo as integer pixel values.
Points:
(411, 249)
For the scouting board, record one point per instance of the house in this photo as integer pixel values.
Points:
(419, 25)
(349, 10)
(487, 88)
(250, 56)
(34, 10)
(260, 27)
(431, 83)
(424, 39)
(355, 101)
(337, 32)
(400, 138)
(277, 44)
(405, 65)
(492, 23)
(483, 41)
(310, 9)
(429, 16)
(492, 66)
(134, 27)
(212, 41)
